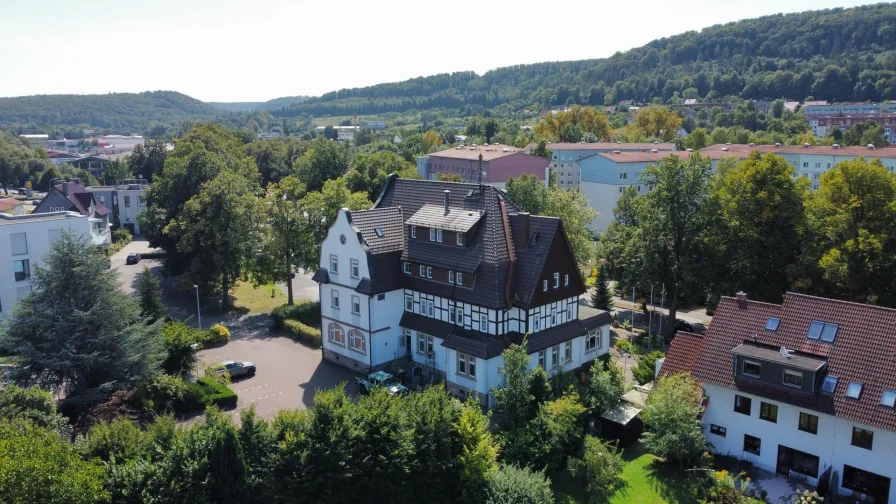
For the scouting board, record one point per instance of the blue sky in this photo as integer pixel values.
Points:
(228, 50)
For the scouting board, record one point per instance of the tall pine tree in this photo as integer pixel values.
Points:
(602, 299)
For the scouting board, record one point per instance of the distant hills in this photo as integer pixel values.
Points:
(274, 104)
(834, 55)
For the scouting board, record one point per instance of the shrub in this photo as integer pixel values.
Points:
(626, 346)
(306, 312)
(515, 485)
(216, 393)
(122, 236)
(645, 371)
(590, 282)
(217, 334)
(171, 393)
(600, 469)
(303, 333)
(178, 338)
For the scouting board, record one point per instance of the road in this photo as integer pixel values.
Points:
(303, 287)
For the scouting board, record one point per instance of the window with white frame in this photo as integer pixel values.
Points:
(422, 270)
(459, 278)
(555, 356)
(334, 298)
(356, 305)
(429, 272)
(357, 341)
(541, 359)
(413, 231)
(553, 317)
(432, 234)
(567, 351)
(459, 315)
(460, 239)
(334, 264)
(556, 280)
(439, 235)
(483, 322)
(355, 269)
(544, 286)
(565, 280)
(536, 321)
(466, 365)
(18, 243)
(408, 302)
(568, 313)
(430, 307)
(335, 334)
(450, 277)
(407, 268)
(424, 344)
(592, 341)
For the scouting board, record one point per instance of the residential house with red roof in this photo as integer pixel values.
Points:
(438, 278)
(806, 388)
(69, 196)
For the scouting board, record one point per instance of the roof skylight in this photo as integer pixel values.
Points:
(889, 398)
(822, 330)
(854, 390)
(830, 383)
(772, 324)
(379, 232)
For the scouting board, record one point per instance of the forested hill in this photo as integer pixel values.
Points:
(250, 106)
(115, 112)
(837, 55)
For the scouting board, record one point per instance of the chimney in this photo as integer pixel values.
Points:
(65, 188)
(447, 194)
(521, 230)
(741, 299)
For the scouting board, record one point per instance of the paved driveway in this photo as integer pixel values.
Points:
(288, 373)
(129, 273)
(303, 287)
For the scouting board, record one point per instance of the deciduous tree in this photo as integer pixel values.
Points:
(529, 193)
(658, 122)
(673, 431)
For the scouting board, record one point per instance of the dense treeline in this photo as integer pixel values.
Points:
(836, 54)
(149, 112)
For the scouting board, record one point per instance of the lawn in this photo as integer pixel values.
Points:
(246, 298)
(647, 481)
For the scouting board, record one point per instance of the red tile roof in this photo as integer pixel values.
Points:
(683, 353)
(741, 151)
(863, 351)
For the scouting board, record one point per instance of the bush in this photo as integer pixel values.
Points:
(515, 485)
(600, 469)
(590, 282)
(171, 393)
(217, 334)
(217, 394)
(178, 338)
(626, 346)
(304, 333)
(306, 312)
(122, 236)
(645, 371)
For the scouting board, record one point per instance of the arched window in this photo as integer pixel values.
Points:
(357, 341)
(336, 334)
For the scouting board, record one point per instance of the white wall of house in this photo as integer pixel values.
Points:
(832, 444)
(553, 314)
(385, 316)
(28, 238)
(131, 202)
(603, 199)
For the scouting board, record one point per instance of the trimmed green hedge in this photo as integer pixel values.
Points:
(304, 333)
(217, 393)
(306, 312)
(171, 393)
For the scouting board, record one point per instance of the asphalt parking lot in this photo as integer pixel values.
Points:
(288, 373)
(129, 273)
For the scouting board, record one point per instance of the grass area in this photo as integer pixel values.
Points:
(246, 298)
(647, 481)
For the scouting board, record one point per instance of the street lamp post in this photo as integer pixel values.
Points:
(198, 313)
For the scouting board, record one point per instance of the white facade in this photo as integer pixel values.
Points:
(24, 240)
(832, 443)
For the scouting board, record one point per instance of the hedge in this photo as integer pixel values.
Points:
(306, 312)
(170, 393)
(304, 333)
(217, 393)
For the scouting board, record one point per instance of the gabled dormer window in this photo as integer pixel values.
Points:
(413, 231)
(460, 239)
(459, 278)
(432, 234)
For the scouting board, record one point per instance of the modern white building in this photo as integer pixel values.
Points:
(38, 140)
(438, 278)
(806, 389)
(566, 157)
(126, 201)
(24, 240)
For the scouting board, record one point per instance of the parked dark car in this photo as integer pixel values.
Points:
(681, 325)
(237, 369)
(133, 259)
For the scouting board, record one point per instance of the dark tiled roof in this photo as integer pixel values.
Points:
(487, 252)
(588, 320)
(455, 220)
(456, 338)
(863, 351)
(322, 276)
(385, 273)
(387, 220)
(81, 199)
(531, 259)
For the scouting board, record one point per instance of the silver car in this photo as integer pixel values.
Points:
(237, 369)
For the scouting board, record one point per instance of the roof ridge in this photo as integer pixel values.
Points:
(864, 305)
(754, 301)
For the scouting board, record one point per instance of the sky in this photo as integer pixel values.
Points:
(230, 50)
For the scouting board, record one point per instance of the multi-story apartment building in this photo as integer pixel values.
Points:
(439, 278)
(823, 124)
(24, 240)
(566, 158)
(71, 197)
(499, 163)
(806, 388)
(605, 175)
(832, 109)
(126, 201)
